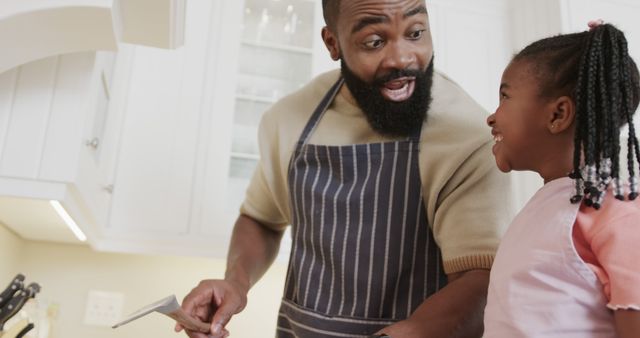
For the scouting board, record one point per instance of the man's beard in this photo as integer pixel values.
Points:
(396, 119)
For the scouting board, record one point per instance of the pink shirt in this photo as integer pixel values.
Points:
(541, 287)
(608, 240)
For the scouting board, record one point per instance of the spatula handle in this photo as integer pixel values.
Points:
(189, 322)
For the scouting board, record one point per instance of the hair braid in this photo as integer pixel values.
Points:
(615, 104)
(581, 124)
(605, 113)
(590, 137)
(604, 135)
(628, 109)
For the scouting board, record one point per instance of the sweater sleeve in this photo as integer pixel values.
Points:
(472, 212)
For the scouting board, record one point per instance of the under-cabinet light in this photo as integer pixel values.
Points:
(68, 220)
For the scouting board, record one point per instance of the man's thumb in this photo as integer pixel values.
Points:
(222, 317)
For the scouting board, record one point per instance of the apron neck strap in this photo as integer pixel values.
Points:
(415, 135)
(320, 109)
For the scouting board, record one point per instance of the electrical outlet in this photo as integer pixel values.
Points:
(103, 308)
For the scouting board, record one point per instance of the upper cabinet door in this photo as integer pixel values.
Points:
(472, 44)
(164, 119)
(47, 114)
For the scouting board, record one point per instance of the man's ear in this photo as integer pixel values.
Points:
(562, 115)
(331, 42)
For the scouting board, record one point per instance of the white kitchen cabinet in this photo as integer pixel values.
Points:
(52, 128)
(176, 115)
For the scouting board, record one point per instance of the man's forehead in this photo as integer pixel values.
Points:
(357, 13)
(378, 6)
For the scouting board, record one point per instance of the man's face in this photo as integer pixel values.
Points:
(386, 52)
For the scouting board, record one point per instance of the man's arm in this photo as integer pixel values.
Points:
(252, 250)
(454, 311)
(627, 323)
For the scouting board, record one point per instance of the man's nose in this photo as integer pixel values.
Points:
(399, 56)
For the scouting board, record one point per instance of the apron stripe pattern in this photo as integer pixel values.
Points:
(363, 255)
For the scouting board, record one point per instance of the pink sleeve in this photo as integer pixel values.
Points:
(616, 246)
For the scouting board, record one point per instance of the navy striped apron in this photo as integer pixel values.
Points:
(363, 254)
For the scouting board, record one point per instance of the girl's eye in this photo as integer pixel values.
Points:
(417, 34)
(373, 43)
(503, 96)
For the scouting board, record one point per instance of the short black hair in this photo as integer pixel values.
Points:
(595, 69)
(330, 10)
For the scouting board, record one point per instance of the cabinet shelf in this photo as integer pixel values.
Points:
(279, 47)
(256, 98)
(245, 156)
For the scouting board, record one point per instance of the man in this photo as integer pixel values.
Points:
(396, 213)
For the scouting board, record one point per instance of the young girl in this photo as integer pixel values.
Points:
(569, 264)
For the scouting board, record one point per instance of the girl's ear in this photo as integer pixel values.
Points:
(562, 116)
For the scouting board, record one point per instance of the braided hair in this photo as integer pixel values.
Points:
(595, 69)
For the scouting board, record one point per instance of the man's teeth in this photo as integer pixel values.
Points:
(497, 138)
(398, 91)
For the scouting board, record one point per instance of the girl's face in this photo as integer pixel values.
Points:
(520, 125)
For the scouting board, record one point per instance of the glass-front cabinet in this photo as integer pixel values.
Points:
(278, 54)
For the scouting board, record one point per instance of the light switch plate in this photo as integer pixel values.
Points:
(103, 308)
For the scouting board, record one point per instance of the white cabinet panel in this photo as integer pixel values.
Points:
(44, 108)
(533, 20)
(472, 44)
(154, 183)
(68, 108)
(7, 93)
(210, 222)
(27, 127)
(622, 13)
(156, 158)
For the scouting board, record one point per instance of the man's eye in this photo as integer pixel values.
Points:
(503, 96)
(415, 35)
(374, 43)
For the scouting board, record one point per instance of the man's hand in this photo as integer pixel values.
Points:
(214, 302)
(627, 323)
(454, 311)
(403, 329)
(253, 248)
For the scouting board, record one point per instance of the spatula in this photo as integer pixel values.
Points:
(168, 306)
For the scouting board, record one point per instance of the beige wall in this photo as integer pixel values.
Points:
(68, 272)
(10, 251)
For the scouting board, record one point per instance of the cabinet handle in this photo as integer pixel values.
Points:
(108, 188)
(92, 143)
